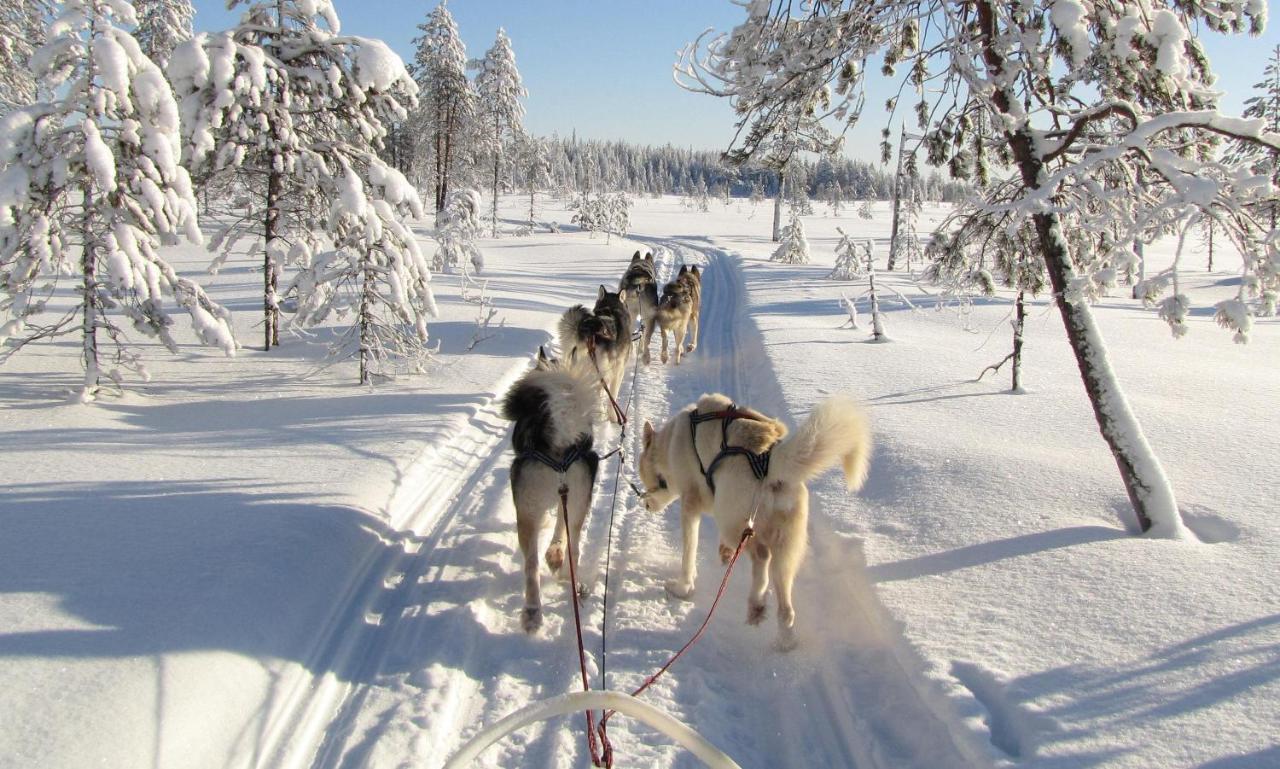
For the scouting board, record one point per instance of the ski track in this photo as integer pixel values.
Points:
(427, 647)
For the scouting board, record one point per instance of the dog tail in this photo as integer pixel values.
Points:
(835, 433)
(568, 330)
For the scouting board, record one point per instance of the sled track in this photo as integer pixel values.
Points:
(427, 647)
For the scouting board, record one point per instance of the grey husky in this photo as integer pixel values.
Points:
(640, 281)
(602, 337)
(555, 407)
(741, 466)
(678, 312)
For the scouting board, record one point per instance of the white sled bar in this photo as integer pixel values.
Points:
(575, 702)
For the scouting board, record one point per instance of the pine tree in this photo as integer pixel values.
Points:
(92, 188)
(794, 248)
(499, 109)
(458, 230)
(849, 262)
(535, 166)
(252, 114)
(162, 25)
(1264, 105)
(1061, 97)
(447, 102)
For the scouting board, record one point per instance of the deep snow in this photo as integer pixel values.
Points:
(243, 563)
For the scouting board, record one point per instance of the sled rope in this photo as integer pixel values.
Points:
(613, 402)
(577, 619)
(607, 756)
(608, 548)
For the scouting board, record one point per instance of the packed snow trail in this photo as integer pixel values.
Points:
(433, 648)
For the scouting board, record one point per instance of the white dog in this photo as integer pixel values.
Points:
(740, 465)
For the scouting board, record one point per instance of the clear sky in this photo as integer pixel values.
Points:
(603, 67)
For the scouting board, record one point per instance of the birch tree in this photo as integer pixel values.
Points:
(1061, 92)
(91, 189)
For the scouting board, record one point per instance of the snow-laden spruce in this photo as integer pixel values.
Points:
(850, 259)
(456, 234)
(162, 26)
(610, 214)
(281, 110)
(447, 108)
(91, 189)
(533, 163)
(794, 248)
(372, 271)
(1104, 111)
(499, 112)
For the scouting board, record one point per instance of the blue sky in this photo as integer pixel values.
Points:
(603, 67)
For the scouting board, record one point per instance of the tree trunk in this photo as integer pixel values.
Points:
(270, 313)
(1140, 251)
(1019, 323)
(1148, 488)
(897, 205)
(497, 159)
(1211, 244)
(89, 329)
(366, 322)
(777, 208)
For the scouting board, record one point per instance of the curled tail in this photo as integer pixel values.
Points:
(570, 323)
(835, 433)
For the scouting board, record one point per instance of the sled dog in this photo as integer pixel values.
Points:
(679, 308)
(640, 281)
(554, 407)
(606, 330)
(738, 464)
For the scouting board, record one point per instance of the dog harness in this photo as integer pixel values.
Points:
(571, 455)
(759, 462)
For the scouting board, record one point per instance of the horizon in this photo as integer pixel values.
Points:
(585, 78)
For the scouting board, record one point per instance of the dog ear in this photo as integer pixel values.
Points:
(648, 257)
(635, 257)
(542, 354)
(603, 291)
(622, 295)
(649, 432)
(684, 268)
(695, 270)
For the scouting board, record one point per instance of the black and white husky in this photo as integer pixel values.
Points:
(555, 407)
(640, 281)
(601, 336)
(740, 465)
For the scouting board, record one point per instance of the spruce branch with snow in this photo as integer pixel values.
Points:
(534, 164)
(457, 233)
(91, 189)
(22, 31)
(282, 104)
(850, 264)
(1062, 92)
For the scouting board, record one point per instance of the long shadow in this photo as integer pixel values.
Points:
(989, 552)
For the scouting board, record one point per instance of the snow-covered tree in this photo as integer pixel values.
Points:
(22, 31)
(534, 163)
(447, 102)
(457, 233)
(162, 26)
(864, 209)
(372, 272)
(91, 189)
(283, 103)
(1060, 91)
(833, 194)
(909, 246)
(499, 110)
(794, 248)
(850, 263)
(1264, 105)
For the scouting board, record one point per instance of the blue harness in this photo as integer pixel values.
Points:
(571, 455)
(759, 462)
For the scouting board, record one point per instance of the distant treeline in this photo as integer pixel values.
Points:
(602, 166)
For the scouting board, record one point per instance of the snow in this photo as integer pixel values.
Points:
(98, 157)
(380, 68)
(252, 562)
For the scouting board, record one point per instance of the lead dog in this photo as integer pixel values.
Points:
(554, 407)
(600, 337)
(738, 463)
(640, 281)
(679, 308)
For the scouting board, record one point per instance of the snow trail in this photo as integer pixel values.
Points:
(429, 648)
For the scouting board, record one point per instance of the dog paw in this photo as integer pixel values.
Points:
(531, 618)
(679, 588)
(555, 558)
(690, 347)
(756, 613)
(726, 553)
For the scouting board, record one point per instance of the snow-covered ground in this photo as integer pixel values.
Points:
(247, 562)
